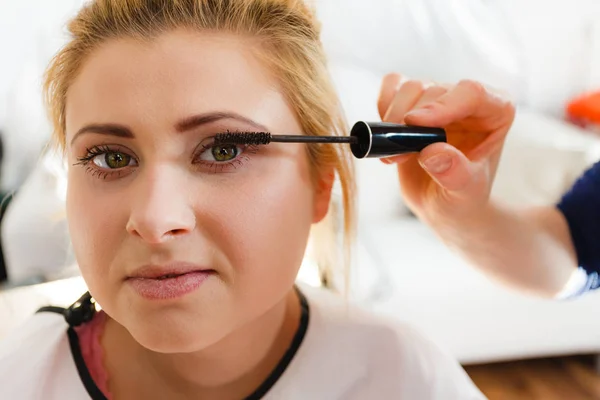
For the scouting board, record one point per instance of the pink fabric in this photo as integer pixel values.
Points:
(89, 342)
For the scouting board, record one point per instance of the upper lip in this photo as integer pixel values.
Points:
(174, 268)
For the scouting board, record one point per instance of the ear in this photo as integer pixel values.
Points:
(322, 197)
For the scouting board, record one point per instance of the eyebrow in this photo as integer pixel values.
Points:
(182, 126)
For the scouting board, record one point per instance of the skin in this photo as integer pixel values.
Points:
(448, 185)
(248, 221)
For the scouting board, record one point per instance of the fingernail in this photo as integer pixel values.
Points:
(399, 159)
(438, 163)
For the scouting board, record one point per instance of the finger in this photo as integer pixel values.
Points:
(460, 178)
(405, 99)
(430, 95)
(466, 99)
(399, 159)
(389, 86)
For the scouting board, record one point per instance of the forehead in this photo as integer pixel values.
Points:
(177, 74)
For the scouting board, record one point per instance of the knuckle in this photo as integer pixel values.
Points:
(413, 85)
(435, 91)
(510, 109)
(474, 87)
(392, 76)
(508, 103)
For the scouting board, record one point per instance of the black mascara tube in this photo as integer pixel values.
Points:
(382, 139)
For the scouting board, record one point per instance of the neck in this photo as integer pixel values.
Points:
(232, 368)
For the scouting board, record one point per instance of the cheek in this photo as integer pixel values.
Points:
(265, 224)
(95, 227)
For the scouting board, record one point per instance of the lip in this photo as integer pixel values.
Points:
(162, 282)
(160, 271)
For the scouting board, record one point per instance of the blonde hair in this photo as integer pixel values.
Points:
(287, 30)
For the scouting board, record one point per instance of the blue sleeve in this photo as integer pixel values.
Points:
(581, 207)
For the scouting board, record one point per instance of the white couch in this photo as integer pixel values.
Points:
(475, 319)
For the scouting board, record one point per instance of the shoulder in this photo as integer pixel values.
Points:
(39, 352)
(580, 209)
(397, 358)
(339, 318)
(585, 190)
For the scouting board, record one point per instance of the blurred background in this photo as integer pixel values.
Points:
(544, 53)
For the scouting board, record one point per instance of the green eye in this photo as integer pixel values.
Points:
(224, 153)
(115, 160)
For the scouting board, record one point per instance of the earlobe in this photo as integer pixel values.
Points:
(322, 198)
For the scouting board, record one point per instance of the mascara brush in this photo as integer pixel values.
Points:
(367, 139)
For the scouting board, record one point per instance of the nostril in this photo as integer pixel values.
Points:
(157, 227)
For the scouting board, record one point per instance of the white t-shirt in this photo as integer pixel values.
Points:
(346, 353)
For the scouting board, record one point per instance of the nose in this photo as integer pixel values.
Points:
(161, 209)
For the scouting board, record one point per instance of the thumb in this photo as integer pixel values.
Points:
(461, 179)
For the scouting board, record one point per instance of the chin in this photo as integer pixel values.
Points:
(170, 336)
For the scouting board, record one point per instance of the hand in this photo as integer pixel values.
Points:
(448, 182)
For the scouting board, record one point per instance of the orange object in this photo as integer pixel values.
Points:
(585, 109)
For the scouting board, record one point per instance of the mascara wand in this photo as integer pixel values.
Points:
(261, 138)
(367, 139)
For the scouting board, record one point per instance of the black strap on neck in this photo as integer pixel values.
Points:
(78, 313)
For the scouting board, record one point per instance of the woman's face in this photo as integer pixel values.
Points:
(181, 242)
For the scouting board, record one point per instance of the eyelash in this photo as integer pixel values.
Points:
(93, 152)
(87, 161)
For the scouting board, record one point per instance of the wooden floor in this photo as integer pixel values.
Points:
(568, 378)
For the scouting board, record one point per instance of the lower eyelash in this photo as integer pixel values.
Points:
(219, 167)
(226, 166)
(97, 173)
